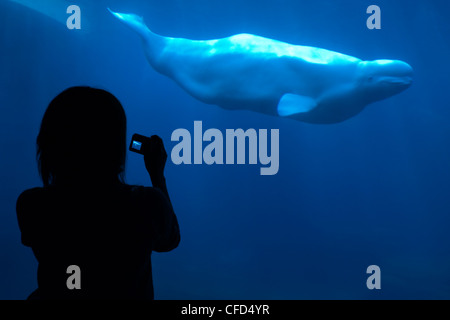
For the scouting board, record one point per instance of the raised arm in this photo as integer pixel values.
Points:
(166, 228)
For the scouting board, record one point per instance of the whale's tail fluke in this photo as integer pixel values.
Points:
(153, 42)
(134, 22)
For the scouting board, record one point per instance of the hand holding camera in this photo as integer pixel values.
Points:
(155, 156)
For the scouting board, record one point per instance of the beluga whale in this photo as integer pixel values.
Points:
(250, 72)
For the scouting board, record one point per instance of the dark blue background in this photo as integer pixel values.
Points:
(372, 190)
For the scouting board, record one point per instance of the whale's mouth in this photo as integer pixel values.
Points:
(397, 81)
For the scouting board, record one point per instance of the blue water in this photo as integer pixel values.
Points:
(372, 190)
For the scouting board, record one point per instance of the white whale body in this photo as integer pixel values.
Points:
(254, 73)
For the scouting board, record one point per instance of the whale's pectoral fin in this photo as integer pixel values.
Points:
(293, 103)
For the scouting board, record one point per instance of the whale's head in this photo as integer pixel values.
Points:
(380, 79)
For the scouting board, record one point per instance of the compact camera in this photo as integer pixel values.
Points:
(137, 143)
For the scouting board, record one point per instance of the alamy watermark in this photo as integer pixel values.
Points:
(374, 280)
(74, 280)
(239, 145)
(74, 20)
(374, 21)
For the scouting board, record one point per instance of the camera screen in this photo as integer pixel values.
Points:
(137, 145)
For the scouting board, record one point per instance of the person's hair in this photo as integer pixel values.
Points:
(82, 135)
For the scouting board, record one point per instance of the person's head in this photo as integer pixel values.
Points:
(82, 137)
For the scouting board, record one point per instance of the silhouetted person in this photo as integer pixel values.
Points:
(85, 215)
